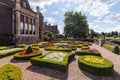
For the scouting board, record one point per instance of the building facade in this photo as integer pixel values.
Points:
(18, 20)
(51, 28)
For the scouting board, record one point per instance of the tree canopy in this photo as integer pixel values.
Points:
(76, 25)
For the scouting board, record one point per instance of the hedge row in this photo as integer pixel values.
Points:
(62, 66)
(10, 72)
(87, 52)
(17, 56)
(4, 53)
(58, 49)
(105, 69)
(3, 47)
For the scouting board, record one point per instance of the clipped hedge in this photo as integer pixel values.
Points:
(109, 47)
(3, 47)
(85, 47)
(21, 46)
(10, 72)
(62, 65)
(4, 53)
(17, 56)
(35, 46)
(58, 49)
(87, 52)
(96, 65)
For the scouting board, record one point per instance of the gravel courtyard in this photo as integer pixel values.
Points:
(31, 72)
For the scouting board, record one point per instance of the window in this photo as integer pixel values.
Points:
(24, 4)
(30, 28)
(34, 29)
(26, 28)
(21, 28)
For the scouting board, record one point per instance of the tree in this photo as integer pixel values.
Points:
(48, 36)
(76, 25)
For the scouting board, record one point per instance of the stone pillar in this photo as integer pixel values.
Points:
(17, 12)
(37, 21)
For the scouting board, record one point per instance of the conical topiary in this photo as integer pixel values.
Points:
(116, 50)
(29, 50)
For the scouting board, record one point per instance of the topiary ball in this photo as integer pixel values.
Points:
(29, 50)
(116, 50)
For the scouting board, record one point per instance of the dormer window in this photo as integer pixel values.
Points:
(24, 4)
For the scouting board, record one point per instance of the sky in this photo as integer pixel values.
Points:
(102, 15)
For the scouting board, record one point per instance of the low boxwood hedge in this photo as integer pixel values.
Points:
(58, 65)
(88, 52)
(85, 47)
(96, 65)
(58, 49)
(17, 56)
(10, 72)
(4, 53)
(3, 47)
(21, 46)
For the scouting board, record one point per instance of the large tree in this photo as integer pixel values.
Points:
(76, 25)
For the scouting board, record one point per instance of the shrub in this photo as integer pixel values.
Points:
(35, 46)
(116, 50)
(85, 47)
(109, 47)
(18, 56)
(10, 72)
(58, 65)
(3, 47)
(88, 52)
(4, 53)
(96, 65)
(21, 46)
(29, 50)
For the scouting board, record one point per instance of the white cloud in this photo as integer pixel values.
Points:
(117, 28)
(115, 18)
(42, 3)
(55, 12)
(95, 27)
(63, 10)
(51, 20)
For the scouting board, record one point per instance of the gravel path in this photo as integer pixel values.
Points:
(31, 72)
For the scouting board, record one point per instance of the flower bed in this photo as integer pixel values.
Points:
(88, 52)
(4, 53)
(55, 60)
(25, 55)
(10, 72)
(96, 65)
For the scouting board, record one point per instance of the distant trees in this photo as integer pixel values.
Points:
(76, 25)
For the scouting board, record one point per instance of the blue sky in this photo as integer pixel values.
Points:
(102, 15)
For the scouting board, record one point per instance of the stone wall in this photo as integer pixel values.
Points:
(5, 20)
(27, 39)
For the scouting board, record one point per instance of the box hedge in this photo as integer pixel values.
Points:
(10, 72)
(58, 49)
(62, 66)
(88, 52)
(99, 66)
(4, 53)
(3, 47)
(17, 56)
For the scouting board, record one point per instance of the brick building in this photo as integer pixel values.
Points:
(18, 20)
(51, 28)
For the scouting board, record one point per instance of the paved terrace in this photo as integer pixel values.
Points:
(31, 72)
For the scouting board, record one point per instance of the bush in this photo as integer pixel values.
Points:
(58, 49)
(109, 47)
(62, 65)
(10, 72)
(4, 53)
(88, 52)
(96, 65)
(29, 50)
(117, 50)
(85, 47)
(3, 47)
(35, 46)
(21, 46)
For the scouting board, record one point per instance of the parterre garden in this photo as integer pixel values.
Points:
(58, 57)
